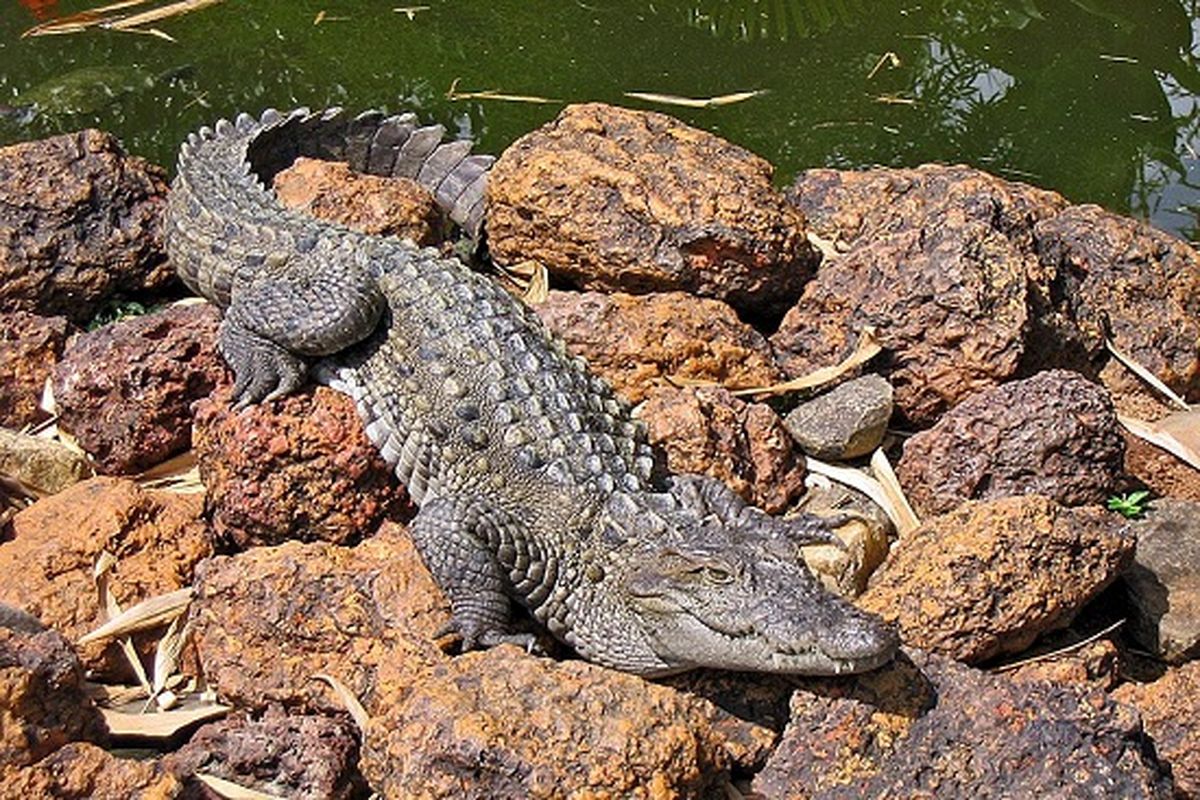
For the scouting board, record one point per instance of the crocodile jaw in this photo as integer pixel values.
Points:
(764, 615)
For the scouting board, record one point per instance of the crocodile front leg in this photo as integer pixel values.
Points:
(295, 306)
(452, 539)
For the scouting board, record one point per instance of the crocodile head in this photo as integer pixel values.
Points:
(709, 596)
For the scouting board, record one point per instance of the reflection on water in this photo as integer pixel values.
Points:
(1095, 98)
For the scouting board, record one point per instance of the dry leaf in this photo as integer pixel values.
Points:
(352, 704)
(150, 613)
(161, 724)
(856, 479)
(900, 510)
(1178, 434)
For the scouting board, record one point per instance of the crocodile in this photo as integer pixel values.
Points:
(535, 484)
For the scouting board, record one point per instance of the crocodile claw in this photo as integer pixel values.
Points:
(262, 369)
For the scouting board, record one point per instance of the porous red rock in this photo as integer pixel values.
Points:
(300, 467)
(80, 221)
(368, 203)
(638, 342)
(81, 771)
(30, 346)
(1119, 279)
(1095, 665)
(620, 200)
(932, 728)
(1170, 709)
(990, 576)
(270, 618)
(709, 431)
(125, 391)
(1054, 434)
(937, 261)
(503, 724)
(301, 756)
(43, 703)
(156, 536)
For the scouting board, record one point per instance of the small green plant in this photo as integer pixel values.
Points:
(115, 311)
(1130, 505)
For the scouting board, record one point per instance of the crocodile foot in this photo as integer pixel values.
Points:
(262, 369)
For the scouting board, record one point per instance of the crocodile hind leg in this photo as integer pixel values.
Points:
(451, 538)
(296, 306)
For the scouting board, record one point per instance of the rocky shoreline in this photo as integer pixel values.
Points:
(696, 288)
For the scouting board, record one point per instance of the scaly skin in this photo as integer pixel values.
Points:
(535, 485)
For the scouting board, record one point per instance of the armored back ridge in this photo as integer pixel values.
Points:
(535, 484)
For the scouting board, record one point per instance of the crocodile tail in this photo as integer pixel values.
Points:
(377, 144)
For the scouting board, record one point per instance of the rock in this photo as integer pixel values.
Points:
(484, 724)
(991, 576)
(845, 570)
(79, 222)
(368, 203)
(43, 703)
(300, 467)
(305, 757)
(1164, 581)
(503, 724)
(270, 618)
(81, 771)
(844, 423)
(637, 342)
(1165, 474)
(43, 465)
(1054, 434)
(1118, 278)
(937, 260)
(619, 200)
(157, 537)
(709, 431)
(30, 346)
(125, 391)
(1094, 665)
(933, 728)
(1170, 709)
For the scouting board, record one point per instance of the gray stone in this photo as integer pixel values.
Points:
(1164, 581)
(846, 422)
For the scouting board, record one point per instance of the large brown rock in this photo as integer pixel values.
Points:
(711, 432)
(81, 771)
(1170, 709)
(930, 728)
(297, 468)
(43, 704)
(79, 222)
(270, 618)
(305, 757)
(938, 260)
(157, 538)
(503, 724)
(1120, 279)
(638, 342)
(368, 203)
(125, 391)
(30, 346)
(991, 576)
(1054, 434)
(614, 199)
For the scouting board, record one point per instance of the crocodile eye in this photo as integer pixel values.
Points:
(717, 575)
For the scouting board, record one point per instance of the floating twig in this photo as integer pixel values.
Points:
(491, 94)
(695, 102)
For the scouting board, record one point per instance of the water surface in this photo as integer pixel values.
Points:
(1093, 98)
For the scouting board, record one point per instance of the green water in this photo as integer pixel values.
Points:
(1094, 98)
